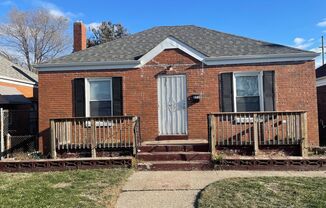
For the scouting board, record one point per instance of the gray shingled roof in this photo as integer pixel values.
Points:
(321, 71)
(11, 70)
(209, 42)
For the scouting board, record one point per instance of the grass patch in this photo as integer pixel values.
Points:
(265, 192)
(75, 188)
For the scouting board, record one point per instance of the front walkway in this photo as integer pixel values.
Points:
(180, 188)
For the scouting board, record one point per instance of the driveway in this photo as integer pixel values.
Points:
(180, 188)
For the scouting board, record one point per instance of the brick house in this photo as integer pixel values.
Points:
(18, 95)
(171, 78)
(321, 101)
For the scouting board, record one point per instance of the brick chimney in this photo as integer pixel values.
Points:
(79, 36)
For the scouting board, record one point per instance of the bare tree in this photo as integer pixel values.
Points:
(106, 32)
(36, 35)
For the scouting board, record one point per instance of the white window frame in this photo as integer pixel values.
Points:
(87, 93)
(260, 87)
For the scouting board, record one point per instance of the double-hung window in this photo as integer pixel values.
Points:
(247, 90)
(99, 97)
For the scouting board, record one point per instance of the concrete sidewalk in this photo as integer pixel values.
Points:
(180, 188)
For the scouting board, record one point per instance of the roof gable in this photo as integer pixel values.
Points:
(171, 43)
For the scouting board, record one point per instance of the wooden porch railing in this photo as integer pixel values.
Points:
(258, 128)
(94, 133)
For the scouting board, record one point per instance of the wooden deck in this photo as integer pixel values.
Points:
(257, 129)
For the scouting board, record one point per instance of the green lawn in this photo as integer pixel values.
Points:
(76, 188)
(265, 192)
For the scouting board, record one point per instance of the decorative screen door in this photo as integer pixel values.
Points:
(172, 105)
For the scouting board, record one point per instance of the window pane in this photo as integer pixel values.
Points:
(100, 90)
(100, 108)
(245, 104)
(247, 86)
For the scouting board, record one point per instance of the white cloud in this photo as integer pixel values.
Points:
(318, 62)
(298, 40)
(302, 43)
(54, 9)
(322, 23)
(92, 25)
(316, 50)
(56, 13)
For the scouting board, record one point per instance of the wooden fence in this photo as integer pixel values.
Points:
(94, 133)
(258, 128)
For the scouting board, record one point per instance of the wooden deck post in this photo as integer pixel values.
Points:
(256, 144)
(134, 142)
(212, 126)
(53, 144)
(93, 139)
(8, 144)
(304, 137)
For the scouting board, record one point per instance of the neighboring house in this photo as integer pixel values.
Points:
(172, 77)
(321, 97)
(18, 94)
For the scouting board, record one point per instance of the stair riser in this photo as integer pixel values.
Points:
(174, 157)
(187, 167)
(175, 148)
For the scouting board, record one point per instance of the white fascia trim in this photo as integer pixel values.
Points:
(17, 81)
(321, 81)
(89, 66)
(171, 43)
(251, 59)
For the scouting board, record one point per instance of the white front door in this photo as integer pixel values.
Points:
(172, 104)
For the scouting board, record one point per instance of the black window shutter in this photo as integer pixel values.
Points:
(268, 88)
(117, 96)
(79, 97)
(226, 91)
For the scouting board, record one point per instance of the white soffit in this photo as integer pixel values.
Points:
(321, 81)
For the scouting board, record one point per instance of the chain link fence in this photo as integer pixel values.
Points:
(19, 132)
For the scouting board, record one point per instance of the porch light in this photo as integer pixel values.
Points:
(195, 98)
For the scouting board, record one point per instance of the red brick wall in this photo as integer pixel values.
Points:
(295, 90)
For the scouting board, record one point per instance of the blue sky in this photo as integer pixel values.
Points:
(297, 23)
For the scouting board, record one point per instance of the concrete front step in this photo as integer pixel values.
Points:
(175, 165)
(173, 156)
(174, 148)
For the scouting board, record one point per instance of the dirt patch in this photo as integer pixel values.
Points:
(274, 187)
(61, 185)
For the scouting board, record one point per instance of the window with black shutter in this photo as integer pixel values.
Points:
(247, 91)
(98, 96)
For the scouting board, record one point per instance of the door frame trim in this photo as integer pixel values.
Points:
(158, 104)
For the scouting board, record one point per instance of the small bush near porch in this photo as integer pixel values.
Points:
(265, 192)
(78, 188)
